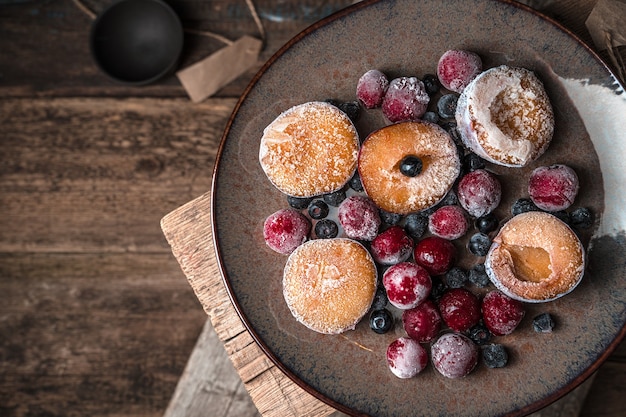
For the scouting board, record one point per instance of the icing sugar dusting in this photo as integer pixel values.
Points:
(602, 111)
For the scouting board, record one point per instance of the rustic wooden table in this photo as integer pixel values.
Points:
(96, 316)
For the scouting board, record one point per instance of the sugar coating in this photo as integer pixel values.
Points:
(405, 99)
(382, 153)
(535, 257)
(285, 230)
(454, 355)
(392, 246)
(406, 357)
(448, 222)
(501, 313)
(359, 217)
(310, 149)
(407, 285)
(329, 284)
(457, 68)
(371, 88)
(422, 323)
(504, 115)
(479, 192)
(554, 187)
(460, 309)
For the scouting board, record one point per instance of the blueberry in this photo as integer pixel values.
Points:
(472, 162)
(543, 323)
(450, 199)
(355, 183)
(333, 101)
(438, 288)
(380, 298)
(326, 229)
(430, 116)
(335, 198)
(487, 223)
(478, 276)
(318, 209)
(446, 106)
(456, 277)
(352, 109)
(389, 218)
(381, 321)
(523, 205)
(479, 244)
(298, 203)
(480, 334)
(581, 218)
(416, 224)
(431, 84)
(562, 215)
(452, 129)
(411, 166)
(495, 356)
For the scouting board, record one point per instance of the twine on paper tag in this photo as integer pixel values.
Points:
(606, 25)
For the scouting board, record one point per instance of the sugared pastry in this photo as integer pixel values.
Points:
(504, 115)
(409, 166)
(329, 284)
(535, 258)
(310, 149)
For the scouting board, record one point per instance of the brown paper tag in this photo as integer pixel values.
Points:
(206, 77)
(608, 16)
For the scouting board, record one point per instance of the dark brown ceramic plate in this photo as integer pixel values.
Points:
(405, 37)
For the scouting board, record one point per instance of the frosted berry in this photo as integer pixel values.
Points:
(543, 323)
(554, 187)
(407, 285)
(435, 254)
(422, 323)
(472, 162)
(501, 314)
(389, 218)
(298, 203)
(479, 244)
(479, 334)
(355, 182)
(487, 223)
(523, 205)
(448, 222)
(457, 68)
(371, 88)
(380, 298)
(478, 275)
(358, 215)
(285, 230)
(411, 166)
(391, 246)
(581, 218)
(431, 84)
(318, 209)
(460, 309)
(406, 99)
(326, 229)
(381, 321)
(406, 357)
(446, 106)
(416, 224)
(335, 198)
(456, 277)
(352, 109)
(454, 355)
(495, 356)
(479, 192)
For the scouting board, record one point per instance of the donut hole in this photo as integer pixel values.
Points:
(530, 264)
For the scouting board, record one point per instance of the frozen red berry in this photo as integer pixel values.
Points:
(371, 88)
(423, 322)
(435, 254)
(285, 230)
(392, 246)
(479, 192)
(448, 222)
(501, 314)
(406, 357)
(460, 309)
(407, 285)
(406, 99)
(359, 217)
(454, 355)
(457, 68)
(554, 187)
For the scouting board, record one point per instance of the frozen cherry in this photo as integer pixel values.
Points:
(435, 254)
(285, 230)
(371, 88)
(448, 222)
(501, 314)
(554, 187)
(454, 355)
(407, 285)
(359, 217)
(406, 99)
(457, 68)
(391, 246)
(406, 357)
(460, 309)
(422, 323)
(479, 192)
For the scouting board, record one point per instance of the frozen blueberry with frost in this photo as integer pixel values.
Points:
(495, 355)
(355, 183)
(478, 276)
(456, 277)
(416, 224)
(335, 198)
(389, 218)
(523, 205)
(487, 223)
(318, 209)
(543, 323)
(326, 229)
(446, 106)
(581, 218)
(381, 321)
(380, 298)
(431, 84)
(479, 334)
(299, 203)
(479, 244)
